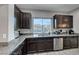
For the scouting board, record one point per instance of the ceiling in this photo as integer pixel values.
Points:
(49, 7)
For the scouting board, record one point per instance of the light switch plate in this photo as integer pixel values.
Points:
(4, 36)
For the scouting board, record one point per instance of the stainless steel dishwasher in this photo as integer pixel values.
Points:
(58, 43)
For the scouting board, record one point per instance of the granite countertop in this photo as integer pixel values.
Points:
(8, 49)
(51, 35)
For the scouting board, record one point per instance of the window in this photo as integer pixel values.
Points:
(46, 25)
(41, 25)
(37, 25)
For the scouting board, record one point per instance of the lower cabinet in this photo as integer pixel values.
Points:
(36, 45)
(66, 43)
(45, 45)
(39, 44)
(31, 47)
(74, 42)
(70, 42)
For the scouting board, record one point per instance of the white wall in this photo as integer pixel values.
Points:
(75, 20)
(4, 23)
(46, 14)
(39, 13)
(11, 33)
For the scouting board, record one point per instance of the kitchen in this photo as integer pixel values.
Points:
(22, 33)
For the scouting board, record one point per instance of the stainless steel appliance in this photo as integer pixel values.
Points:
(58, 44)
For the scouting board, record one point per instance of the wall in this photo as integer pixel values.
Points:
(11, 32)
(75, 20)
(4, 23)
(39, 13)
(47, 14)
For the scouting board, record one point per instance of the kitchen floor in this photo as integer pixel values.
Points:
(63, 52)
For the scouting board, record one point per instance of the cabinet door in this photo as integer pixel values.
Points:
(74, 42)
(66, 43)
(63, 21)
(31, 46)
(49, 45)
(26, 21)
(21, 20)
(40, 46)
(45, 45)
(58, 21)
(68, 20)
(70, 42)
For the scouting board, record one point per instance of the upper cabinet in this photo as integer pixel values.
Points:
(17, 17)
(63, 21)
(23, 19)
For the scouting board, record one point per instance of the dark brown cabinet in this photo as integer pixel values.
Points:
(63, 21)
(25, 21)
(17, 15)
(22, 19)
(39, 45)
(66, 43)
(70, 42)
(45, 45)
(31, 46)
(74, 42)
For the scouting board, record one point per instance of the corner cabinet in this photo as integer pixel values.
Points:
(23, 19)
(63, 21)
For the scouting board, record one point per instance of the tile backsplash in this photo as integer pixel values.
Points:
(63, 30)
(25, 31)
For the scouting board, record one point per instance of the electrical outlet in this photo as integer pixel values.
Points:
(4, 36)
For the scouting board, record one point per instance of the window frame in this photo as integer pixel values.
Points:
(42, 23)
